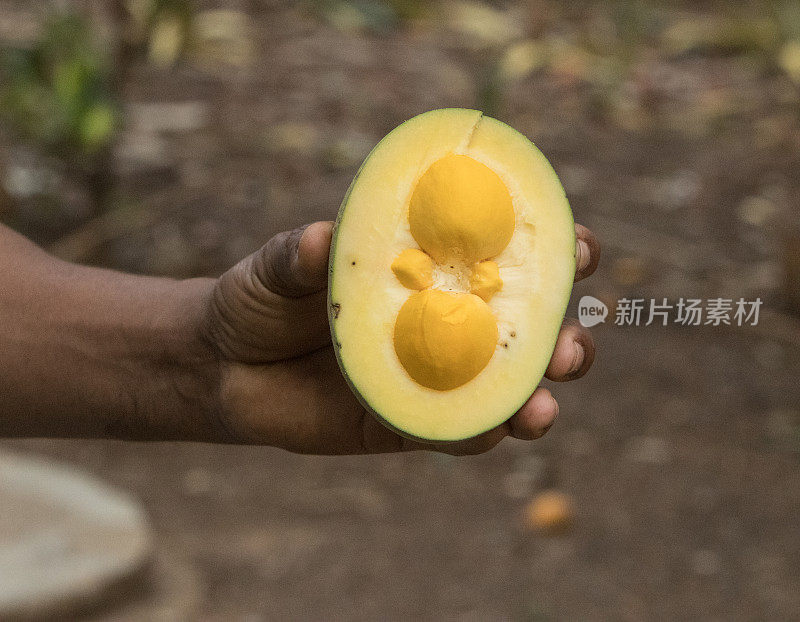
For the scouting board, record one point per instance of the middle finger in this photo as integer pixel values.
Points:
(573, 354)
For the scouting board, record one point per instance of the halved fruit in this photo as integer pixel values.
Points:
(451, 267)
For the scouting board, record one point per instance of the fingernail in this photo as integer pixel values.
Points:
(577, 360)
(544, 430)
(583, 255)
(295, 235)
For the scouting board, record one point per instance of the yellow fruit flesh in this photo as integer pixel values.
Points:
(413, 268)
(485, 280)
(461, 211)
(536, 268)
(444, 339)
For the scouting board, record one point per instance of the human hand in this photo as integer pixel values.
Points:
(279, 383)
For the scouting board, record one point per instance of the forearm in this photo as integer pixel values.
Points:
(86, 352)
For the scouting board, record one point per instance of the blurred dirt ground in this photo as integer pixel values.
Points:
(676, 131)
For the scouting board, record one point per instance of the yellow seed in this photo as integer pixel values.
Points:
(413, 268)
(444, 339)
(461, 210)
(485, 280)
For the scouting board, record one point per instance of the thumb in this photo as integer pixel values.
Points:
(272, 304)
(295, 263)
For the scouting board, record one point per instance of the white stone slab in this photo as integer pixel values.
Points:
(65, 538)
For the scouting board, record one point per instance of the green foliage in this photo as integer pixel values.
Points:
(163, 27)
(57, 93)
(153, 10)
(374, 15)
(786, 14)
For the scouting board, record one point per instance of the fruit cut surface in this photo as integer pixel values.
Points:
(451, 267)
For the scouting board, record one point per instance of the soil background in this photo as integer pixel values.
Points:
(675, 128)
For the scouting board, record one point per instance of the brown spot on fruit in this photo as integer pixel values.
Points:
(336, 307)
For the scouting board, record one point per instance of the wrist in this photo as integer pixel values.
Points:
(87, 352)
(178, 398)
(98, 354)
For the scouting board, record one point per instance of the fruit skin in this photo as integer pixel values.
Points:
(334, 306)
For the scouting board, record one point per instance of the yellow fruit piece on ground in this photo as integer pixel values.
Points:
(444, 339)
(461, 211)
(413, 268)
(550, 511)
(485, 280)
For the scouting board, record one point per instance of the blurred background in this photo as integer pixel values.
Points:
(174, 137)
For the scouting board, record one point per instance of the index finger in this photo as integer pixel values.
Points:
(587, 252)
